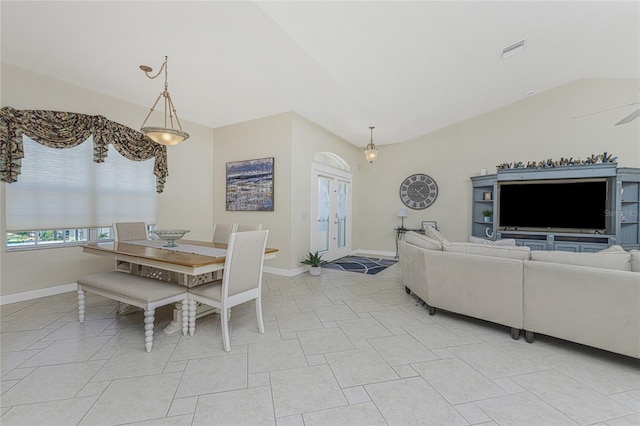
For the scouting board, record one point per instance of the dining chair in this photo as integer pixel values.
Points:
(130, 231)
(244, 227)
(222, 232)
(241, 282)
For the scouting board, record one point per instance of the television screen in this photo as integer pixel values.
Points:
(572, 205)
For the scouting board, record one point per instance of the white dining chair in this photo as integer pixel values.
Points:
(241, 282)
(130, 231)
(244, 227)
(222, 232)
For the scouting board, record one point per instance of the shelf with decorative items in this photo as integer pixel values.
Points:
(628, 211)
(484, 188)
(622, 214)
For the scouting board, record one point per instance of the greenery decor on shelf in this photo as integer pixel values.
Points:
(549, 163)
(487, 215)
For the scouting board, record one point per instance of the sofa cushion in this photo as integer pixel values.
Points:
(602, 259)
(422, 241)
(503, 242)
(635, 260)
(515, 252)
(435, 234)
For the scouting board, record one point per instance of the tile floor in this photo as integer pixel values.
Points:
(342, 349)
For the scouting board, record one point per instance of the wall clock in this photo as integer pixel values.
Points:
(418, 191)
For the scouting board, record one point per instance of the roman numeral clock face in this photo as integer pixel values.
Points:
(418, 191)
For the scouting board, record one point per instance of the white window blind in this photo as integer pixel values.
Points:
(65, 188)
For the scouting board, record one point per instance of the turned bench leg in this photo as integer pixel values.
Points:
(82, 296)
(192, 317)
(149, 316)
(185, 317)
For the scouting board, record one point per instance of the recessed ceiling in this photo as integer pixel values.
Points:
(409, 68)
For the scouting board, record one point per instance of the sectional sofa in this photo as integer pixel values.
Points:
(587, 298)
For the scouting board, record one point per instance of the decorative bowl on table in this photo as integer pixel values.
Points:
(170, 235)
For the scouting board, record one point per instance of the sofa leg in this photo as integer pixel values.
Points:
(515, 333)
(528, 336)
(432, 310)
(407, 289)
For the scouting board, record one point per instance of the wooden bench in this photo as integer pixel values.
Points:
(145, 293)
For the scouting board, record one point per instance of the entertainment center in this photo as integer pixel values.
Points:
(580, 208)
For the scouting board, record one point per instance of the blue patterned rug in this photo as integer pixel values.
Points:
(364, 265)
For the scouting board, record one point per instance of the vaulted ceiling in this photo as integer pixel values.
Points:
(409, 68)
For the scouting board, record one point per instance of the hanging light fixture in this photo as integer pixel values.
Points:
(163, 135)
(371, 152)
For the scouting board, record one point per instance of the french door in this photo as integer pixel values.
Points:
(331, 205)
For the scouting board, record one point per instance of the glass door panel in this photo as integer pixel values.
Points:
(324, 211)
(341, 214)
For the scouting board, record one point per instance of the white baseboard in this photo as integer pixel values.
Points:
(36, 294)
(285, 272)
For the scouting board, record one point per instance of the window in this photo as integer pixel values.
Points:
(63, 197)
(24, 240)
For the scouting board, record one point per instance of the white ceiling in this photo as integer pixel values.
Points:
(408, 68)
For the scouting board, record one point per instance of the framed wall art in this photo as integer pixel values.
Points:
(429, 223)
(250, 185)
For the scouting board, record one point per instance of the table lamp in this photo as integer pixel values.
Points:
(402, 213)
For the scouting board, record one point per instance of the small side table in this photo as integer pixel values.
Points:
(401, 231)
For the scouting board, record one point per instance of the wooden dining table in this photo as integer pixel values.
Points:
(168, 264)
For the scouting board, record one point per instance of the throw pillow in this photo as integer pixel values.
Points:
(504, 242)
(515, 252)
(613, 249)
(635, 260)
(435, 234)
(601, 259)
(422, 241)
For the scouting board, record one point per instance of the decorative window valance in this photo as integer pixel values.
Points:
(57, 129)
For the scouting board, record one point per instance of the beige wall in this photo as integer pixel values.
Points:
(186, 200)
(308, 139)
(291, 140)
(536, 128)
(260, 138)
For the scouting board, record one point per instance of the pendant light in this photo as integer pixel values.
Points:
(371, 152)
(167, 135)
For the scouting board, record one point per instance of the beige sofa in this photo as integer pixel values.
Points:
(587, 298)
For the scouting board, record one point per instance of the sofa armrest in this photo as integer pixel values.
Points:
(593, 306)
(412, 266)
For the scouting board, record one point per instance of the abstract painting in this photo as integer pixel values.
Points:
(250, 185)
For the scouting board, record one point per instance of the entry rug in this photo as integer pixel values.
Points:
(364, 265)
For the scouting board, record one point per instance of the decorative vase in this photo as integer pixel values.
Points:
(314, 270)
(487, 218)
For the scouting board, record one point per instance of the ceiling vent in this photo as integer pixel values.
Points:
(514, 49)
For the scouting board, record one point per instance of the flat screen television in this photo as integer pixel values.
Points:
(561, 205)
